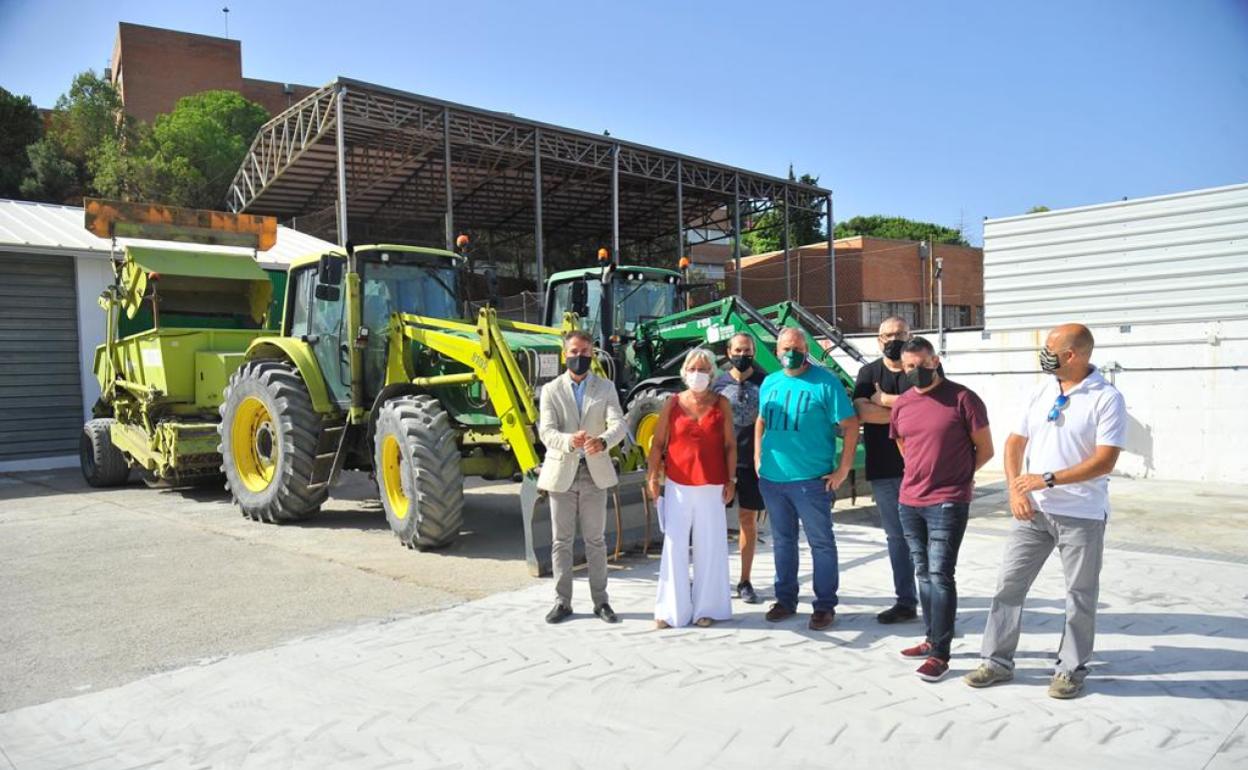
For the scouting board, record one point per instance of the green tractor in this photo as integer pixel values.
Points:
(639, 318)
(367, 373)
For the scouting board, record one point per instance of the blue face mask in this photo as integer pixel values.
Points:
(792, 359)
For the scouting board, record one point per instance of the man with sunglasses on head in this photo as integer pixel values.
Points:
(1057, 465)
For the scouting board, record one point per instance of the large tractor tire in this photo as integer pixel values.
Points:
(103, 464)
(419, 478)
(643, 415)
(269, 434)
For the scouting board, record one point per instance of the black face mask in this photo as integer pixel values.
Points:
(920, 377)
(578, 365)
(892, 349)
(742, 363)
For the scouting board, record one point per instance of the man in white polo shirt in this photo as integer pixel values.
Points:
(1057, 464)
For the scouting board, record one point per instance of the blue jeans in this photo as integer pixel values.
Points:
(934, 533)
(885, 492)
(809, 502)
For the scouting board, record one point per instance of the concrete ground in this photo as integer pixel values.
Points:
(248, 645)
(101, 587)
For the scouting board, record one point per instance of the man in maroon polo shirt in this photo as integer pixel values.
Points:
(941, 429)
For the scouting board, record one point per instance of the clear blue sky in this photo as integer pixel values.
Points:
(943, 111)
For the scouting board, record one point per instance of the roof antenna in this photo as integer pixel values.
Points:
(226, 12)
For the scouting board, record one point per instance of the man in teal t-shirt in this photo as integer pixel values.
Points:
(800, 411)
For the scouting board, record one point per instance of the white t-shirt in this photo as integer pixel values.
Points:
(1095, 416)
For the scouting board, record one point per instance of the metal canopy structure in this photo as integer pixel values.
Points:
(375, 163)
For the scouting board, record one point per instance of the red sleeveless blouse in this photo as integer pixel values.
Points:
(695, 448)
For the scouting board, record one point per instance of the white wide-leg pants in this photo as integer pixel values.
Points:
(693, 514)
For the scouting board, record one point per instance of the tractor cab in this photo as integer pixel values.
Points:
(613, 301)
(402, 279)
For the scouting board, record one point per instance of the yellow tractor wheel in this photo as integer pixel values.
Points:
(419, 478)
(643, 416)
(269, 435)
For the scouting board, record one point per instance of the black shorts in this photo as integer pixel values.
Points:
(748, 495)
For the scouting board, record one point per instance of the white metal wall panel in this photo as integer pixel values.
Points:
(1166, 259)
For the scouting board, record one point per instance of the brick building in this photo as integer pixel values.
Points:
(152, 68)
(875, 278)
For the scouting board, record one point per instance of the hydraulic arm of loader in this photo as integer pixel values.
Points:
(492, 363)
(795, 315)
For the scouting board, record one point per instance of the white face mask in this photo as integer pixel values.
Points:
(697, 381)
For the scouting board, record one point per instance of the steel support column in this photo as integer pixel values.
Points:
(788, 272)
(831, 264)
(340, 148)
(537, 220)
(446, 174)
(736, 229)
(615, 204)
(680, 211)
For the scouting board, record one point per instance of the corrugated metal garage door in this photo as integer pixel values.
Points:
(40, 390)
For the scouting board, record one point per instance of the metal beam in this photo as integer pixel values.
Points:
(615, 204)
(680, 211)
(784, 236)
(446, 174)
(342, 169)
(736, 230)
(831, 265)
(537, 221)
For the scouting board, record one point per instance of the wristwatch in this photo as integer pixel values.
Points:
(1049, 479)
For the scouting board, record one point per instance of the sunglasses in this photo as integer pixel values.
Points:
(1061, 403)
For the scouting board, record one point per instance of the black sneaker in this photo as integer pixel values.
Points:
(605, 612)
(747, 593)
(558, 613)
(898, 613)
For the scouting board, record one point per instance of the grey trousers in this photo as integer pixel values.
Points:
(1080, 543)
(586, 503)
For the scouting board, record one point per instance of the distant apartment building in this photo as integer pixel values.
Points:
(152, 68)
(875, 278)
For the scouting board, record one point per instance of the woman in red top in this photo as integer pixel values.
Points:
(695, 447)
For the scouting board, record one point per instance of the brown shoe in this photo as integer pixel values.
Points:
(779, 612)
(822, 619)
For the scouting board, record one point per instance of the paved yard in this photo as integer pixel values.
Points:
(486, 683)
(102, 587)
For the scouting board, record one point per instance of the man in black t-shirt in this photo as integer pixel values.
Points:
(878, 386)
(740, 386)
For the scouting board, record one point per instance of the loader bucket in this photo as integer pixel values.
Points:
(632, 526)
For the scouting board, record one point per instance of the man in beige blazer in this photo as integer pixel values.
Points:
(580, 421)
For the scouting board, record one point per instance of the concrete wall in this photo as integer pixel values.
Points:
(1184, 385)
(93, 275)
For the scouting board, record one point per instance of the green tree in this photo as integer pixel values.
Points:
(767, 231)
(1038, 209)
(192, 153)
(87, 123)
(20, 126)
(899, 228)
